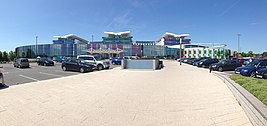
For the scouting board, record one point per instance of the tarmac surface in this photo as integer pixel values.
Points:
(174, 96)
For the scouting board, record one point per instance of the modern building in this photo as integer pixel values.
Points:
(206, 50)
(119, 37)
(171, 39)
(118, 45)
(69, 39)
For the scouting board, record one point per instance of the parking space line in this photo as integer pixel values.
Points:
(28, 78)
(50, 74)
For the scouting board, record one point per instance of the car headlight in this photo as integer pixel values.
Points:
(257, 72)
(200, 63)
(213, 65)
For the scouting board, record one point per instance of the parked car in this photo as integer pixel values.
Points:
(190, 61)
(77, 65)
(45, 62)
(251, 70)
(261, 73)
(226, 65)
(207, 62)
(196, 61)
(251, 64)
(116, 61)
(184, 60)
(96, 60)
(59, 59)
(21, 62)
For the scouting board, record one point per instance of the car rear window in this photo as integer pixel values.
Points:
(86, 58)
(24, 60)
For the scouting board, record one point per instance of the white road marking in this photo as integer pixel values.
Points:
(28, 78)
(50, 74)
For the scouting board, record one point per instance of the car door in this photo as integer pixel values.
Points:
(226, 65)
(232, 65)
(262, 65)
(74, 65)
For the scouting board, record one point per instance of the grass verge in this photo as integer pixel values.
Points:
(257, 87)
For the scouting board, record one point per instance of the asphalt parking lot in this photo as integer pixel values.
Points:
(15, 76)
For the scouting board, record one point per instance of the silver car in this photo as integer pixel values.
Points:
(21, 63)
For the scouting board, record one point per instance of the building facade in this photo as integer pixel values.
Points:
(197, 51)
(118, 45)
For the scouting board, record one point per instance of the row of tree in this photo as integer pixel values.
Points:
(7, 56)
(251, 54)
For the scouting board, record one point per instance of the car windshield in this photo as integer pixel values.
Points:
(203, 60)
(99, 58)
(24, 60)
(85, 58)
(253, 63)
(224, 61)
(45, 59)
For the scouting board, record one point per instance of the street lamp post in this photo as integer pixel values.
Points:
(238, 35)
(36, 48)
(180, 51)
(181, 36)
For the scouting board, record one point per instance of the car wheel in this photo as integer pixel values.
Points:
(253, 74)
(203, 66)
(113, 63)
(220, 69)
(64, 68)
(100, 67)
(45, 64)
(82, 70)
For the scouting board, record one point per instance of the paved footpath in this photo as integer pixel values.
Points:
(174, 96)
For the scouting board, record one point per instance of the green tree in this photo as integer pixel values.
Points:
(5, 56)
(243, 54)
(234, 54)
(264, 54)
(218, 54)
(12, 55)
(226, 54)
(250, 53)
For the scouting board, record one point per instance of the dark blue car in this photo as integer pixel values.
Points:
(251, 69)
(196, 61)
(116, 61)
(261, 73)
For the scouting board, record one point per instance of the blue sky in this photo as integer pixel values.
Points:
(211, 21)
